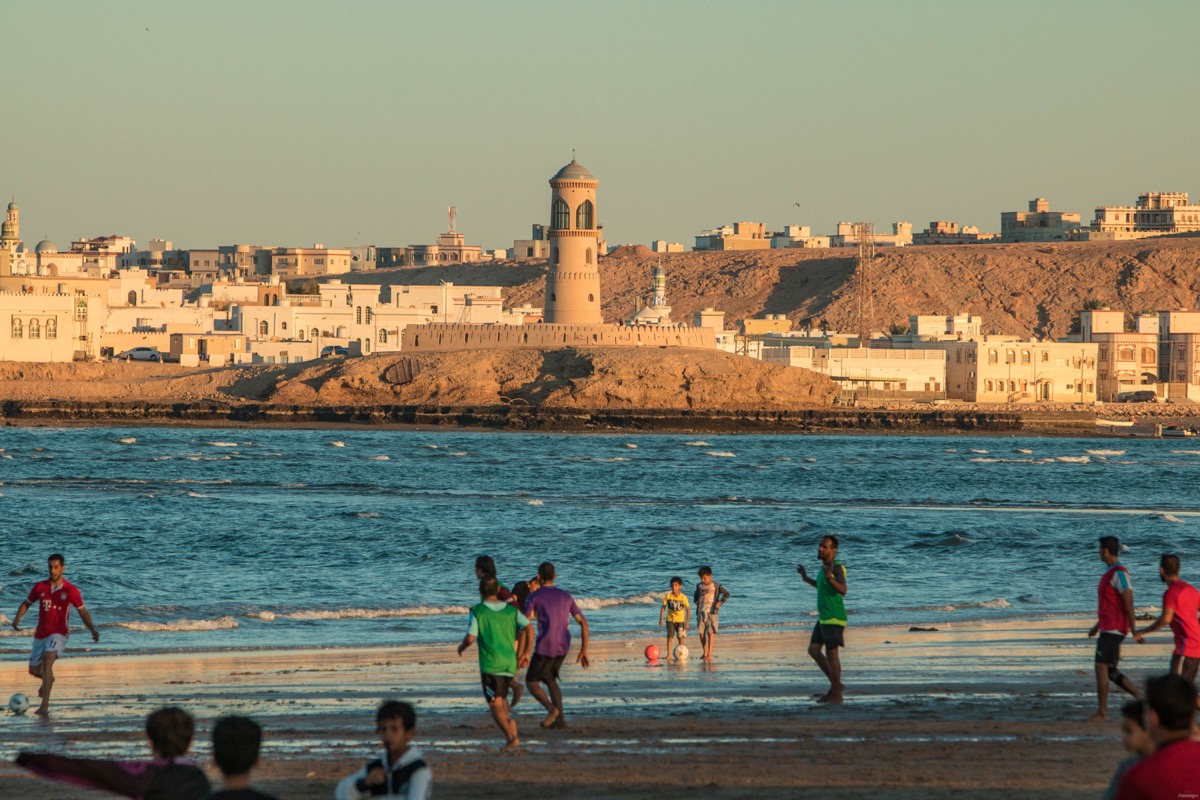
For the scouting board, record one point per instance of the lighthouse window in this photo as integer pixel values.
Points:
(560, 215)
(591, 298)
(584, 214)
(588, 256)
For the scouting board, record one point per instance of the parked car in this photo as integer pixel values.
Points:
(140, 354)
(334, 351)
(1142, 396)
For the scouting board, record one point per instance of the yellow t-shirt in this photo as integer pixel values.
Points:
(676, 606)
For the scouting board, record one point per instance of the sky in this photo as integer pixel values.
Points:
(290, 122)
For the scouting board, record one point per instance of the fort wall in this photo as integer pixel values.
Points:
(439, 337)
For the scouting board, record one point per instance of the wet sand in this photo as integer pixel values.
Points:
(985, 710)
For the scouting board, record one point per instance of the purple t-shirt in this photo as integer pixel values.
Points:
(554, 609)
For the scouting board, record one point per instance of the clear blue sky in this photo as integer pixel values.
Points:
(358, 122)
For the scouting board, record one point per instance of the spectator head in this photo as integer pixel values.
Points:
(1110, 545)
(235, 744)
(1133, 728)
(704, 571)
(396, 724)
(1169, 564)
(488, 586)
(546, 572)
(1170, 706)
(170, 731)
(484, 566)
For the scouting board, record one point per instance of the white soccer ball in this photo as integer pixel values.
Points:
(681, 653)
(18, 703)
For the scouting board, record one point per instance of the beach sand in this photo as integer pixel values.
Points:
(981, 710)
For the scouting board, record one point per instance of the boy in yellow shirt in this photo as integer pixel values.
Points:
(678, 613)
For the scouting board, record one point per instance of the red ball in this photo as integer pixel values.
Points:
(652, 653)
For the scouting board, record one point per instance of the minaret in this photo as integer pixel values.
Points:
(10, 235)
(573, 282)
(14, 216)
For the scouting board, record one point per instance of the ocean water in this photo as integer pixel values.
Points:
(224, 538)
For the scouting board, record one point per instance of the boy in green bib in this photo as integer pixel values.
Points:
(496, 625)
(829, 633)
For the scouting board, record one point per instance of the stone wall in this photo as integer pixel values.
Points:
(450, 336)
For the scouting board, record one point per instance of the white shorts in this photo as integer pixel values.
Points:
(54, 643)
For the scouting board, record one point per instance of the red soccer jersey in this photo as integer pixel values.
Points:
(1184, 599)
(53, 606)
(1112, 606)
(1168, 773)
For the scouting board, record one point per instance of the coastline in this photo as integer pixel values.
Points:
(928, 714)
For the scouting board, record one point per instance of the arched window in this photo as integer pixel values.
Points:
(1025, 359)
(993, 357)
(366, 345)
(1010, 356)
(560, 215)
(553, 297)
(382, 336)
(1149, 356)
(263, 328)
(553, 256)
(587, 258)
(132, 297)
(358, 315)
(370, 315)
(987, 386)
(35, 329)
(300, 334)
(1125, 354)
(314, 333)
(584, 215)
(81, 310)
(52, 328)
(283, 326)
(591, 298)
(18, 329)
(1045, 356)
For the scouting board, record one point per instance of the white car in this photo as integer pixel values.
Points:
(140, 354)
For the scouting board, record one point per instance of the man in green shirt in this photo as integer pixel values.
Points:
(829, 632)
(497, 625)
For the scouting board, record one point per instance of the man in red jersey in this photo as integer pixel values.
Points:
(1172, 771)
(1180, 610)
(54, 598)
(1115, 596)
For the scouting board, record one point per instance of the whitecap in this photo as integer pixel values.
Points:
(721, 454)
(379, 458)
(1023, 451)
(534, 503)
(811, 460)
(594, 603)
(127, 440)
(222, 444)
(337, 444)
(218, 624)
(1105, 452)
(367, 514)
(266, 616)
(978, 451)
(1073, 459)
(631, 446)
(1165, 517)
(374, 613)
(431, 446)
(459, 453)
(196, 494)
(697, 444)
(1186, 452)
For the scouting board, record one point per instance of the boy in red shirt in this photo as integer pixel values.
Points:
(1180, 610)
(1170, 772)
(54, 598)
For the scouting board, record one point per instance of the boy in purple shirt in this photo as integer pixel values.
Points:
(554, 609)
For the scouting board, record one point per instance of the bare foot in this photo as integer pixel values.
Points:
(518, 689)
(832, 697)
(511, 746)
(550, 719)
(1097, 717)
(559, 723)
(42, 711)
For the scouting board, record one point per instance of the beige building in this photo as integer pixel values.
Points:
(944, 232)
(996, 369)
(1155, 214)
(663, 246)
(798, 236)
(1127, 361)
(536, 246)
(451, 248)
(738, 236)
(214, 349)
(1039, 223)
(868, 372)
(48, 327)
(295, 262)
(655, 310)
(848, 234)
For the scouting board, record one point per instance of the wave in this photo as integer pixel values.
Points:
(631, 446)
(222, 444)
(978, 451)
(1073, 459)
(459, 453)
(126, 440)
(266, 616)
(1023, 451)
(379, 458)
(534, 503)
(1105, 452)
(373, 613)
(219, 624)
(595, 603)
(697, 444)
(363, 514)
(337, 444)
(721, 454)
(1186, 452)
(1165, 517)
(998, 602)
(196, 494)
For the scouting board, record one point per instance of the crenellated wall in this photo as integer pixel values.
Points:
(451, 336)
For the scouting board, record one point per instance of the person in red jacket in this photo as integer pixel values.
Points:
(1172, 771)
(1180, 610)
(1116, 619)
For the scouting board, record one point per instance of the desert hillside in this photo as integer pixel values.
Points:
(567, 378)
(1022, 289)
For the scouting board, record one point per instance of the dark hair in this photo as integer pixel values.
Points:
(56, 557)
(676, 580)
(486, 565)
(395, 709)
(235, 744)
(1135, 710)
(170, 730)
(1173, 699)
(1170, 565)
(704, 571)
(545, 571)
(1111, 544)
(488, 586)
(833, 540)
(520, 591)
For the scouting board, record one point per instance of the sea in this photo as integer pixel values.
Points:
(226, 538)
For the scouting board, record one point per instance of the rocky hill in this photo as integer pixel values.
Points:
(1022, 289)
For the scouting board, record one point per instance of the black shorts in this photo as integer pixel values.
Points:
(1108, 648)
(1186, 667)
(494, 686)
(829, 635)
(543, 669)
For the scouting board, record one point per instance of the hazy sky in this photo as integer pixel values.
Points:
(294, 122)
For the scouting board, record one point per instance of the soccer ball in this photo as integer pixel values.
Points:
(18, 703)
(681, 653)
(652, 653)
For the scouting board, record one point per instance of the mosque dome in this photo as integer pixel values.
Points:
(13, 206)
(573, 172)
(46, 247)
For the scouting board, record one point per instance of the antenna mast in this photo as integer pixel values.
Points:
(865, 280)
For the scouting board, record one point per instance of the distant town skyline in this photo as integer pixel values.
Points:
(293, 123)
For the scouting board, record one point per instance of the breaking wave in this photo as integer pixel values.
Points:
(219, 624)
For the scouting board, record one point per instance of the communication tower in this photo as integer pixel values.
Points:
(864, 278)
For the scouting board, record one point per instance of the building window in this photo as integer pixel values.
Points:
(358, 316)
(584, 215)
(370, 314)
(993, 357)
(553, 297)
(1045, 356)
(591, 299)
(35, 329)
(314, 333)
(1149, 356)
(1025, 357)
(18, 329)
(81, 310)
(587, 258)
(987, 386)
(1125, 354)
(1010, 356)
(263, 328)
(529, 252)
(560, 215)
(553, 256)
(52, 328)
(283, 326)
(382, 336)
(366, 345)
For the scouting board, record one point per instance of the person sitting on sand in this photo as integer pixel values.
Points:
(829, 632)
(1136, 740)
(236, 742)
(400, 770)
(169, 775)
(496, 625)
(678, 613)
(1116, 618)
(1170, 772)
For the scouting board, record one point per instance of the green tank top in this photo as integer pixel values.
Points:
(831, 606)
(497, 639)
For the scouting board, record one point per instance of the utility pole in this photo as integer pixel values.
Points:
(864, 280)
